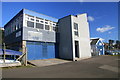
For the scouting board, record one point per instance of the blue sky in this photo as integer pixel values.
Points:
(102, 16)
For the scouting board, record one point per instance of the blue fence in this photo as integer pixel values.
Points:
(10, 52)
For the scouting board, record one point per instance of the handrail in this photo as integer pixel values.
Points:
(20, 56)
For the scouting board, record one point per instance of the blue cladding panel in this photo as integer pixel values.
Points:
(38, 50)
(30, 50)
(44, 51)
(51, 50)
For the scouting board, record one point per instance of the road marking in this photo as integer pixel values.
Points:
(111, 68)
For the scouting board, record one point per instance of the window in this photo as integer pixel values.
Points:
(32, 19)
(53, 24)
(76, 29)
(30, 24)
(76, 33)
(37, 20)
(21, 24)
(54, 28)
(75, 26)
(18, 26)
(47, 27)
(46, 22)
(41, 21)
(38, 25)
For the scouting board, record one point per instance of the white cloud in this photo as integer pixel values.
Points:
(105, 28)
(90, 18)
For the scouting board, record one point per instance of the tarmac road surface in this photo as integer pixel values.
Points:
(96, 67)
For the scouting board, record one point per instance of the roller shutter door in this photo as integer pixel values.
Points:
(40, 50)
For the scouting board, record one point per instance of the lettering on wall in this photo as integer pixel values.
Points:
(18, 34)
(36, 36)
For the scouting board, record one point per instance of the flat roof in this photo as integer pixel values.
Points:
(33, 13)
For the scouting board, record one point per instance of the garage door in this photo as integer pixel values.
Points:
(39, 50)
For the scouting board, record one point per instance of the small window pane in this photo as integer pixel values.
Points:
(32, 19)
(41, 21)
(38, 25)
(54, 28)
(76, 33)
(76, 26)
(37, 20)
(47, 27)
(18, 25)
(53, 24)
(30, 24)
(46, 22)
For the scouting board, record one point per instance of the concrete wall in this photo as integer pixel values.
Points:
(84, 39)
(68, 38)
(65, 38)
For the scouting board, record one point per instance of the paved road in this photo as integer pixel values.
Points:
(97, 67)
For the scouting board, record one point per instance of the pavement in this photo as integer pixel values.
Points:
(48, 62)
(96, 67)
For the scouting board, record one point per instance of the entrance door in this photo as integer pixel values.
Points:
(76, 49)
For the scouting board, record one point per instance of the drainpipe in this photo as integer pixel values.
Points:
(25, 56)
(4, 52)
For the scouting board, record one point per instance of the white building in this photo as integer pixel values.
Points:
(74, 40)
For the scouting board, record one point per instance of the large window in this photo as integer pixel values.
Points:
(47, 27)
(30, 24)
(38, 25)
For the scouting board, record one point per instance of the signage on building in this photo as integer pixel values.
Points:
(35, 36)
(18, 34)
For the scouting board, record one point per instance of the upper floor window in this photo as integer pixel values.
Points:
(30, 24)
(41, 21)
(54, 28)
(76, 33)
(47, 27)
(75, 26)
(32, 19)
(40, 26)
(37, 20)
(46, 22)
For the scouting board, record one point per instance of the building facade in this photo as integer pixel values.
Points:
(74, 40)
(46, 37)
(97, 47)
(33, 31)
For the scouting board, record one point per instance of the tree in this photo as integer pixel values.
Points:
(111, 44)
(117, 45)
